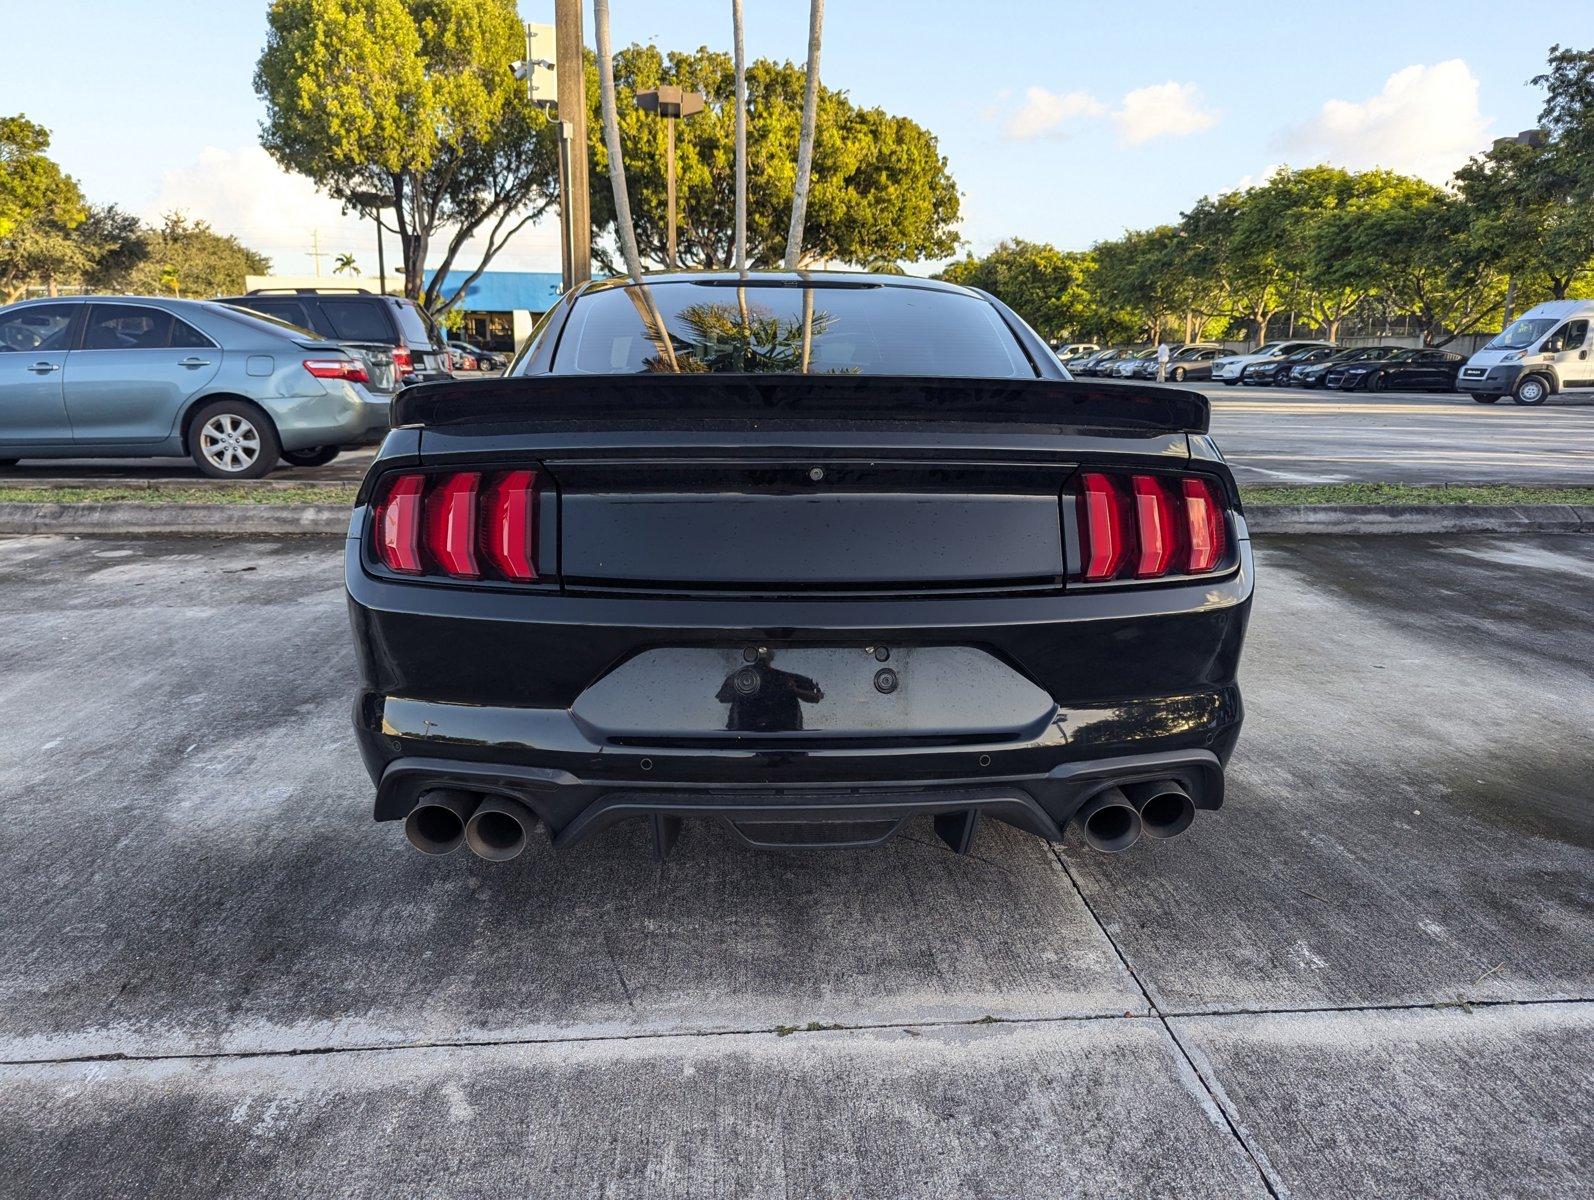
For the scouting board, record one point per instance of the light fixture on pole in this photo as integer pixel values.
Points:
(373, 203)
(671, 103)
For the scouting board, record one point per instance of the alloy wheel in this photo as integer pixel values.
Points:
(229, 442)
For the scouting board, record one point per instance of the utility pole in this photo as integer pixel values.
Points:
(565, 92)
(315, 251)
(575, 210)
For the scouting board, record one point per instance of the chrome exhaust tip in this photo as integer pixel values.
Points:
(498, 829)
(436, 825)
(1165, 808)
(1110, 823)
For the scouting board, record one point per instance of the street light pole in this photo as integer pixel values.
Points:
(671, 103)
(374, 203)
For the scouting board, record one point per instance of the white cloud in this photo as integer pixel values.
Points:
(246, 194)
(1162, 110)
(1046, 114)
(1425, 122)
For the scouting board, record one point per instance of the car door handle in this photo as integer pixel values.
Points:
(44, 368)
(194, 362)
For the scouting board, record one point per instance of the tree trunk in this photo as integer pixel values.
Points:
(805, 141)
(624, 229)
(740, 252)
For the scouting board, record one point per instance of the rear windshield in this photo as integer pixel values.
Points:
(357, 320)
(417, 328)
(758, 329)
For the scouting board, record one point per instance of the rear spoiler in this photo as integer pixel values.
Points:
(549, 400)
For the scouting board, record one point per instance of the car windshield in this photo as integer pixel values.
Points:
(763, 328)
(1191, 351)
(1522, 334)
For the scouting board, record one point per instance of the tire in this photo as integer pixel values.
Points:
(233, 439)
(1531, 390)
(1485, 399)
(1178, 374)
(316, 456)
(1375, 382)
(1231, 382)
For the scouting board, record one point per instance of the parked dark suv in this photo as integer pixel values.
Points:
(354, 315)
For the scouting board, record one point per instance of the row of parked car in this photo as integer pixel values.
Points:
(238, 384)
(1303, 364)
(1548, 351)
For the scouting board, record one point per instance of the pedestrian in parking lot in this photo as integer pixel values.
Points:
(1163, 354)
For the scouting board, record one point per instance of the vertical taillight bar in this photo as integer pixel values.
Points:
(1155, 530)
(451, 524)
(398, 525)
(1204, 525)
(509, 527)
(1101, 511)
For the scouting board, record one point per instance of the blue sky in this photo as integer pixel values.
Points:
(1062, 122)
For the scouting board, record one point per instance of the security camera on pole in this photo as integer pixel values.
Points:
(564, 91)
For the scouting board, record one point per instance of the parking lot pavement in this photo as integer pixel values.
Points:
(1294, 435)
(1368, 974)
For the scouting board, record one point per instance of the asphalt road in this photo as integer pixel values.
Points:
(1270, 436)
(1370, 974)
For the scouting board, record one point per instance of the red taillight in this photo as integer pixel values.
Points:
(1147, 526)
(1204, 525)
(1101, 520)
(509, 529)
(451, 524)
(460, 524)
(402, 362)
(1154, 527)
(337, 368)
(398, 525)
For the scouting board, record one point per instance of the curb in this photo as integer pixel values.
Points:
(138, 520)
(1363, 519)
(246, 520)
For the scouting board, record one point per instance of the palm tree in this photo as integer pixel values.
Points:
(741, 137)
(805, 144)
(611, 139)
(346, 265)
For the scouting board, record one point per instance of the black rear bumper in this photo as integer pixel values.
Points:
(574, 809)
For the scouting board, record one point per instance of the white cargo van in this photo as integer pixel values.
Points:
(1548, 350)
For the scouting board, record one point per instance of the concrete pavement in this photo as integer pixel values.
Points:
(1369, 974)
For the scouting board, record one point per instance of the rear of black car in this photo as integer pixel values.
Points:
(390, 324)
(710, 552)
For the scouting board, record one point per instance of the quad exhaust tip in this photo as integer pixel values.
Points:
(1110, 822)
(1165, 808)
(436, 825)
(498, 829)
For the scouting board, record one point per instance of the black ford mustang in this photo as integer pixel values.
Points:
(809, 554)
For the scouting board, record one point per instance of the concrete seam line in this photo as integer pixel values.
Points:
(1200, 1071)
(241, 520)
(492, 1043)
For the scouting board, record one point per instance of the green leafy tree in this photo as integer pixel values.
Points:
(1050, 288)
(412, 100)
(40, 205)
(1433, 270)
(190, 259)
(1568, 113)
(116, 242)
(1527, 215)
(881, 191)
(1152, 278)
